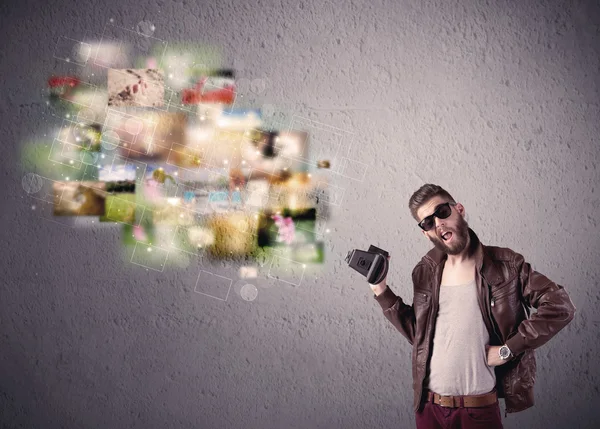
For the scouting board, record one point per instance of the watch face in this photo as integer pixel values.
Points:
(504, 352)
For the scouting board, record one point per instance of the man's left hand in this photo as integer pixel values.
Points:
(493, 357)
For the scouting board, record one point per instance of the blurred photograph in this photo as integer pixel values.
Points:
(79, 198)
(136, 87)
(218, 87)
(239, 119)
(121, 204)
(142, 231)
(187, 62)
(206, 190)
(275, 153)
(286, 227)
(146, 136)
(234, 233)
(158, 185)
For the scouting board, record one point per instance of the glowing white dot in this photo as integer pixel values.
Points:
(303, 265)
(327, 230)
(67, 115)
(225, 162)
(67, 178)
(309, 175)
(103, 156)
(149, 249)
(32, 207)
(201, 118)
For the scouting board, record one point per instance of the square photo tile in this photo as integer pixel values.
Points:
(136, 87)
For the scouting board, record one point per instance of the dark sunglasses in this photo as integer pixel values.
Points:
(442, 212)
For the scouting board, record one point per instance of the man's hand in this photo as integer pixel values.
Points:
(380, 287)
(493, 357)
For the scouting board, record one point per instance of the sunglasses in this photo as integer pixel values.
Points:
(442, 212)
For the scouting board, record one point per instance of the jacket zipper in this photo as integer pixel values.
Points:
(432, 314)
(492, 303)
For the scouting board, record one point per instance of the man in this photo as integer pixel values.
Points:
(473, 340)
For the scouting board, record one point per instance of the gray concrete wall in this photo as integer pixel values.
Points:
(498, 102)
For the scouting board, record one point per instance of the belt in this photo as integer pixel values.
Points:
(463, 401)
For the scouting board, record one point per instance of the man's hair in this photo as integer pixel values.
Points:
(424, 194)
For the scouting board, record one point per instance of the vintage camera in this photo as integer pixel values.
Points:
(373, 264)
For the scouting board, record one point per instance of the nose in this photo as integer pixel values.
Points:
(439, 222)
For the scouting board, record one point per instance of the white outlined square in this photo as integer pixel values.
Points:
(332, 195)
(149, 256)
(72, 51)
(183, 234)
(111, 210)
(122, 130)
(87, 96)
(352, 169)
(131, 44)
(287, 268)
(327, 141)
(214, 290)
(62, 153)
(43, 206)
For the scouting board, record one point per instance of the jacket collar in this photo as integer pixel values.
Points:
(483, 262)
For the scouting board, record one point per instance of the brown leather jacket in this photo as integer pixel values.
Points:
(507, 286)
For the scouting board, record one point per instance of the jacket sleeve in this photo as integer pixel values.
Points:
(554, 309)
(400, 315)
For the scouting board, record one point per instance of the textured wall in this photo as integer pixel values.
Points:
(496, 102)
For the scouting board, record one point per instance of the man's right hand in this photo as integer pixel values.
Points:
(380, 287)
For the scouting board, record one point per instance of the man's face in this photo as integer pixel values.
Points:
(455, 223)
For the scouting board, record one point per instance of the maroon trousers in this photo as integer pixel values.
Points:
(434, 416)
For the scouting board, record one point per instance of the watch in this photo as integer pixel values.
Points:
(504, 352)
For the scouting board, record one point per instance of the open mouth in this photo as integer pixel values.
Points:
(447, 236)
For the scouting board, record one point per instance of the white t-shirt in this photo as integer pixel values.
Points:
(458, 363)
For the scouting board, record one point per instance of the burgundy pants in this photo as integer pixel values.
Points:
(434, 416)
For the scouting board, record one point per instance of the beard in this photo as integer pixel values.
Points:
(460, 236)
